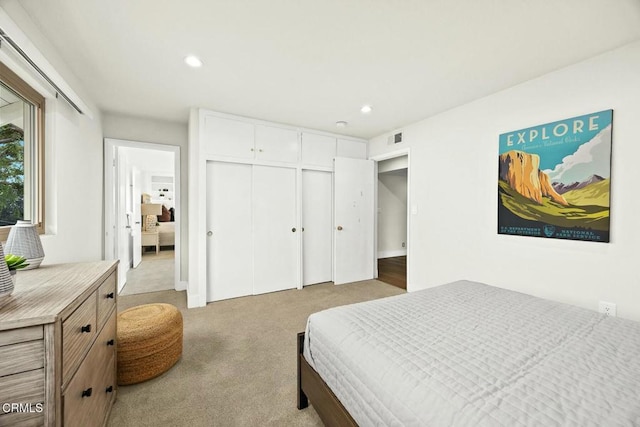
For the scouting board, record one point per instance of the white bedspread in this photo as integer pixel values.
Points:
(468, 354)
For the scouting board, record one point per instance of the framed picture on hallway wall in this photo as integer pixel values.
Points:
(554, 179)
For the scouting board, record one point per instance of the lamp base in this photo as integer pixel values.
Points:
(33, 263)
(150, 223)
(6, 289)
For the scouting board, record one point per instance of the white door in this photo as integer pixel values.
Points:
(230, 243)
(353, 220)
(226, 137)
(317, 226)
(317, 150)
(275, 229)
(136, 228)
(123, 221)
(351, 149)
(276, 144)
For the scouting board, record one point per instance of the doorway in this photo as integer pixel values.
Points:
(142, 214)
(392, 220)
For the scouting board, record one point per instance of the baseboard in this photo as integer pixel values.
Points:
(181, 286)
(390, 254)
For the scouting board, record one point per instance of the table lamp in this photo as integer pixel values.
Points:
(24, 241)
(150, 212)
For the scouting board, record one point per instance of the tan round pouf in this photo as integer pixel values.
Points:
(149, 341)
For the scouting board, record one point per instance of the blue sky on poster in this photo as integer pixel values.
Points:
(570, 150)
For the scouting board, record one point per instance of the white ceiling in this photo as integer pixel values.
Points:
(312, 63)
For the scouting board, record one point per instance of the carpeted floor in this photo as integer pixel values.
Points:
(238, 366)
(154, 273)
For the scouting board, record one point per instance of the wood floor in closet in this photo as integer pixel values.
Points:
(393, 271)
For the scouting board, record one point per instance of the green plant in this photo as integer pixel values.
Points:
(15, 262)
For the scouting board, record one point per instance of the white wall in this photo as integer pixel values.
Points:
(150, 163)
(392, 213)
(454, 176)
(73, 154)
(158, 132)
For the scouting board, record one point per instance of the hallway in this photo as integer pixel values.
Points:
(155, 273)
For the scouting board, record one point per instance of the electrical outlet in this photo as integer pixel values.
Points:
(607, 308)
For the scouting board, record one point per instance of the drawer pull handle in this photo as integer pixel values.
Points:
(111, 342)
(86, 328)
(87, 392)
(109, 389)
(110, 295)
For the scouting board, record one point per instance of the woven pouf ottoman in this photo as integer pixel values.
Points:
(149, 341)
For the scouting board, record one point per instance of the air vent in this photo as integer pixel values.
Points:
(395, 138)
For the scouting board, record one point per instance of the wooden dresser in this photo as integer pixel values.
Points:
(58, 346)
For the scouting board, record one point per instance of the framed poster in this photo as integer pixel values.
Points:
(554, 180)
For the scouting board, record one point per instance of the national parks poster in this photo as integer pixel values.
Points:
(554, 180)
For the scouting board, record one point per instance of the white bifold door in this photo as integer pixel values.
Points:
(252, 235)
(354, 220)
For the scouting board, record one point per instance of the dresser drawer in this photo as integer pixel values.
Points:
(78, 332)
(106, 299)
(25, 387)
(86, 398)
(14, 336)
(109, 385)
(25, 356)
(32, 416)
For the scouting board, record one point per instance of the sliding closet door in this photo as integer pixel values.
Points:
(275, 229)
(317, 211)
(230, 244)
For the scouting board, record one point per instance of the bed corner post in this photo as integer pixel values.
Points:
(303, 402)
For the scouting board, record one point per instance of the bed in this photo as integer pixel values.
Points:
(166, 233)
(469, 354)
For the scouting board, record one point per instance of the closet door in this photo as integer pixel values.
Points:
(275, 229)
(318, 150)
(317, 211)
(276, 144)
(230, 245)
(351, 149)
(354, 220)
(229, 138)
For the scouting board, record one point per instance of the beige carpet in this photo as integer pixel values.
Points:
(155, 273)
(238, 366)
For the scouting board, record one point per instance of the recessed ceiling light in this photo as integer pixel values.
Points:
(341, 124)
(366, 109)
(193, 61)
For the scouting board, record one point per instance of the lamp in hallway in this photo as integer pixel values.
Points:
(150, 212)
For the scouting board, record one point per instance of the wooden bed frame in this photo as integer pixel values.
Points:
(312, 387)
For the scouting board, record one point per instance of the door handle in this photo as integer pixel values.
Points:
(293, 230)
(339, 228)
(209, 233)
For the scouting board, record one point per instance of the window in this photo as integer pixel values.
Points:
(21, 153)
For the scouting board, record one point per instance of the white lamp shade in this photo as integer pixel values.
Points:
(24, 241)
(151, 209)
